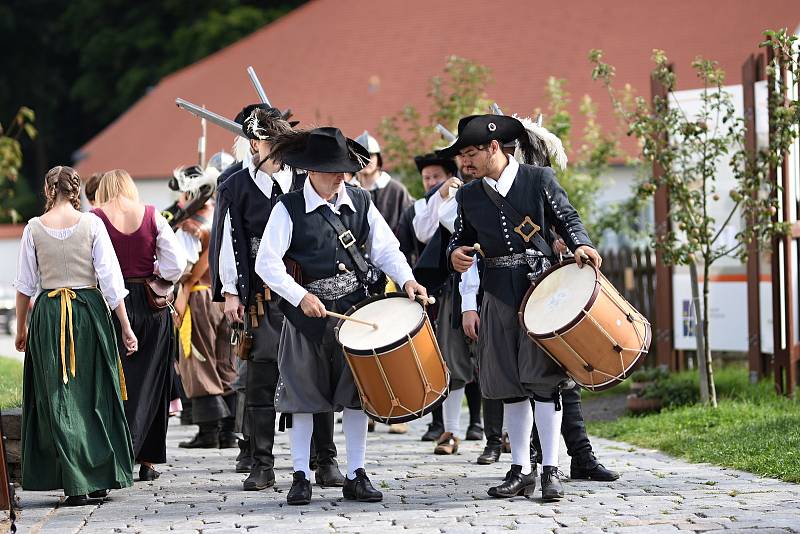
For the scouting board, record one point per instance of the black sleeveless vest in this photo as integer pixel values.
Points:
(249, 211)
(316, 248)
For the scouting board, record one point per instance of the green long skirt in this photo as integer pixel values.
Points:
(74, 435)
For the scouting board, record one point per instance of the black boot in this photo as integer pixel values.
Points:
(300, 492)
(262, 379)
(493, 421)
(515, 484)
(262, 436)
(435, 427)
(472, 392)
(491, 454)
(227, 437)
(323, 450)
(98, 494)
(551, 483)
(186, 413)
(244, 461)
(360, 489)
(588, 468)
(207, 437)
(584, 465)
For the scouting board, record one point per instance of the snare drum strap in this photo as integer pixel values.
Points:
(348, 241)
(534, 237)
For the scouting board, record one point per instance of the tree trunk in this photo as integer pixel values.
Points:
(699, 332)
(712, 390)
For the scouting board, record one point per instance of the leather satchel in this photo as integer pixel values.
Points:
(160, 292)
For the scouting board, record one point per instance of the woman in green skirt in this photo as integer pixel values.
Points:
(74, 433)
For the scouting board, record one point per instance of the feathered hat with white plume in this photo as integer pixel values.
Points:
(192, 179)
(541, 146)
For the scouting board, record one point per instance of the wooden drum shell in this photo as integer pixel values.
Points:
(392, 372)
(604, 344)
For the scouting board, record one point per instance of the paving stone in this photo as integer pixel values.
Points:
(199, 492)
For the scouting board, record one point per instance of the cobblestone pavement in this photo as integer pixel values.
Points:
(199, 492)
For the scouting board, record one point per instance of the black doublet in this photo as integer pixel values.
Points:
(535, 192)
(316, 248)
(249, 211)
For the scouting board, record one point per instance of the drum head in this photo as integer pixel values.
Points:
(558, 299)
(396, 318)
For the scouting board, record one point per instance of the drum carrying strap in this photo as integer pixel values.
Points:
(348, 241)
(524, 226)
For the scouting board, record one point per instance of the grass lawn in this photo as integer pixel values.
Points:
(10, 383)
(753, 429)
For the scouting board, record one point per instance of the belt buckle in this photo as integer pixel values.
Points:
(347, 240)
(527, 236)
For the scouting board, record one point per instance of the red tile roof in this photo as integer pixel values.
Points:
(351, 62)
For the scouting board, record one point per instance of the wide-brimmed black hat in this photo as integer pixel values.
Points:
(477, 130)
(426, 160)
(323, 149)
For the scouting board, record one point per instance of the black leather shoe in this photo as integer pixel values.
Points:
(435, 431)
(228, 440)
(329, 476)
(551, 484)
(261, 477)
(99, 494)
(598, 473)
(78, 500)
(515, 484)
(491, 454)
(474, 432)
(300, 492)
(147, 473)
(201, 440)
(360, 489)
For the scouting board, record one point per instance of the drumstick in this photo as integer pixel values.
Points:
(349, 318)
(476, 249)
(425, 300)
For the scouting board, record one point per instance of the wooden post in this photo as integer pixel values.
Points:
(666, 356)
(783, 272)
(751, 73)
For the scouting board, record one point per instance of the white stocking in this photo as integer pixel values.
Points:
(518, 417)
(548, 424)
(354, 426)
(300, 441)
(451, 412)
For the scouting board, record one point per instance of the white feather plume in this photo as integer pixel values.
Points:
(555, 149)
(241, 148)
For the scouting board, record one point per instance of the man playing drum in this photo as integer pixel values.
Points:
(510, 213)
(320, 232)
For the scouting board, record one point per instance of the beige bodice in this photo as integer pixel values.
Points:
(65, 262)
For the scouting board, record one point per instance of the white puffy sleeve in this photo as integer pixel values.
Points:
(169, 254)
(27, 280)
(106, 264)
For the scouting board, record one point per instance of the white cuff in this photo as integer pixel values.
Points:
(469, 303)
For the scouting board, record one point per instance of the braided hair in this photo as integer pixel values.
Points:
(62, 181)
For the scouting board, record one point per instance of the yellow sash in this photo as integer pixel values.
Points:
(67, 295)
(185, 332)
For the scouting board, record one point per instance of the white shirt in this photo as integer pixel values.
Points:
(170, 258)
(470, 280)
(190, 244)
(382, 245)
(426, 217)
(228, 273)
(503, 185)
(104, 259)
(448, 211)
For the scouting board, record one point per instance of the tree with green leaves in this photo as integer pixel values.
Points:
(11, 159)
(689, 149)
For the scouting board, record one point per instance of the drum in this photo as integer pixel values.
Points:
(577, 317)
(397, 367)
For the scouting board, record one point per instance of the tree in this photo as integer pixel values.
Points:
(11, 159)
(689, 150)
(458, 93)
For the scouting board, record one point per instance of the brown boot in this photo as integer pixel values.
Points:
(506, 444)
(398, 428)
(447, 444)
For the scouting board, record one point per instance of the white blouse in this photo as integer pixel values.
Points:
(106, 265)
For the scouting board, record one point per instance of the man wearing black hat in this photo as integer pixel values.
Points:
(320, 232)
(510, 212)
(245, 201)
